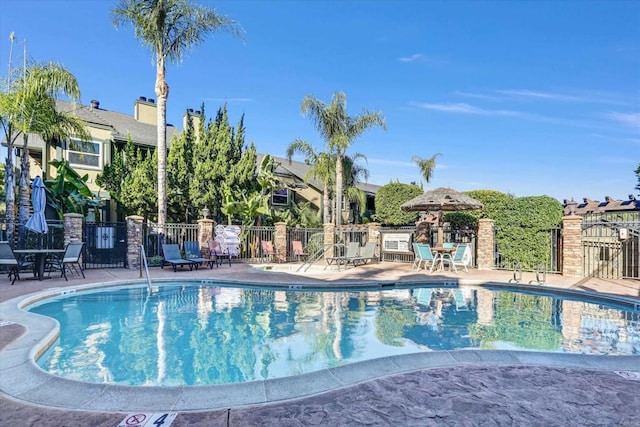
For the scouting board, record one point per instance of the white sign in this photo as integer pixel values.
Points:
(155, 419)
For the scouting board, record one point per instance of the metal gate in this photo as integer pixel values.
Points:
(106, 245)
(611, 245)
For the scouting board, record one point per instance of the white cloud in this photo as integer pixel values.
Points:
(525, 93)
(413, 58)
(466, 109)
(627, 119)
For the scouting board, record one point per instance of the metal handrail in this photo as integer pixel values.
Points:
(143, 261)
(319, 254)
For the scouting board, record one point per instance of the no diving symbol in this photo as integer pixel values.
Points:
(136, 420)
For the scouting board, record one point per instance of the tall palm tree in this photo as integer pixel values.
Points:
(427, 166)
(169, 28)
(339, 131)
(354, 173)
(322, 169)
(31, 109)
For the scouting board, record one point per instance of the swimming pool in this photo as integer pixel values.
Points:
(197, 333)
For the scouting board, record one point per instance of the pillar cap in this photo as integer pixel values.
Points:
(73, 215)
(135, 217)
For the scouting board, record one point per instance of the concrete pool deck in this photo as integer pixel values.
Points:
(439, 388)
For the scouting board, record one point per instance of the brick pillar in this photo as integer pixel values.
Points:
(281, 241)
(572, 246)
(329, 239)
(205, 233)
(134, 240)
(486, 244)
(72, 227)
(374, 236)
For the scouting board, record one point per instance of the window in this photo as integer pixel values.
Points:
(280, 197)
(84, 153)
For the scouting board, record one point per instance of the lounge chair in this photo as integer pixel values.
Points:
(298, 251)
(192, 252)
(268, 251)
(367, 253)
(69, 261)
(424, 255)
(172, 256)
(8, 258)
(353, 249)
(461, 257)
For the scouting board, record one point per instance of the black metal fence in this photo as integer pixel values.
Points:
(611, 245)
(105, 245)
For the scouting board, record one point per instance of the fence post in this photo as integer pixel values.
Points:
(72, 227)
(572, 246)
(374, 236)
(205, 233)
(329, 238)
(134, 240)
(486, 244)
(281, 241)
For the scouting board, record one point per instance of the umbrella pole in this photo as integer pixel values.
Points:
(440, 229)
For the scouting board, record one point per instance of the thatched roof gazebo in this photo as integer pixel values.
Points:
(441, 200)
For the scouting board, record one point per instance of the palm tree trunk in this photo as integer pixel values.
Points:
(325, 205)
(339, 181)
(9, 191)
(23, 206)
(162, 93)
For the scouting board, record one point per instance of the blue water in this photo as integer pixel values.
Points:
(195, 334)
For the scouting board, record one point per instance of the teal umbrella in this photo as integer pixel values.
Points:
(38, 222)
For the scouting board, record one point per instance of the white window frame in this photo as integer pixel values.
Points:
(274, 193)
(69, 152)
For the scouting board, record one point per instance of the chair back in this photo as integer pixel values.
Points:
(297, 247)
(353, 250)
(192, 249)
(214, 247)
(369, 250)
(424, 251)
(171, 251)
(458, 256)
(73, 251)
(267, 247)
(7, 257)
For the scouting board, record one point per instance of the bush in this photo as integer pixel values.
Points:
(388, 200)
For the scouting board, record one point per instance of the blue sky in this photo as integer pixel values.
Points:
(524, 97)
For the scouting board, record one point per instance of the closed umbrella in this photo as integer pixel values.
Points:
(441, 200)
(38, 222)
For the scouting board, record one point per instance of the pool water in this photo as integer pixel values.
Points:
(195, 334)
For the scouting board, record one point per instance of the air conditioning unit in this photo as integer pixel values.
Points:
(396, 242)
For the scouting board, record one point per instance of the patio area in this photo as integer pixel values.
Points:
(549, 389)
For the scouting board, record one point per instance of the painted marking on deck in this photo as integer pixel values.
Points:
(629, 375)
(157, 419)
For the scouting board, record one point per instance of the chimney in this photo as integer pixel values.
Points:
(144, 111)
(196, 117)
(95, 104)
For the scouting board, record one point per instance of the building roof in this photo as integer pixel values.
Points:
(293, 174)
(609, 205)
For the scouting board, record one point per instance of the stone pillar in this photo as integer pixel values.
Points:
(486, 244)
(281, 241)
(329, 239)
(205, 233)
(72, 227)
(374, 236)
(134, 241)
(572, 246)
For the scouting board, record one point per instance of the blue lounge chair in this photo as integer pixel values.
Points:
(192, 252)
(172, 256)
(424, 255)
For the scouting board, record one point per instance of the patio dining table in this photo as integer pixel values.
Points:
(438, 255)
(40, 258)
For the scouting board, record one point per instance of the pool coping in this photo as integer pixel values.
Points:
(22, 380)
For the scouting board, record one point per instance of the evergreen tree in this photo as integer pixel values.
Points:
(180, 162)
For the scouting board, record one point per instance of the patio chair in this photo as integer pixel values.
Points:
(69, 261)
(424, 255)
(268, 250)
(366, 254)
(8, 258)
(192, 252)
(460, 258)
(172, 256)
(217, 253)
(298, 251)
